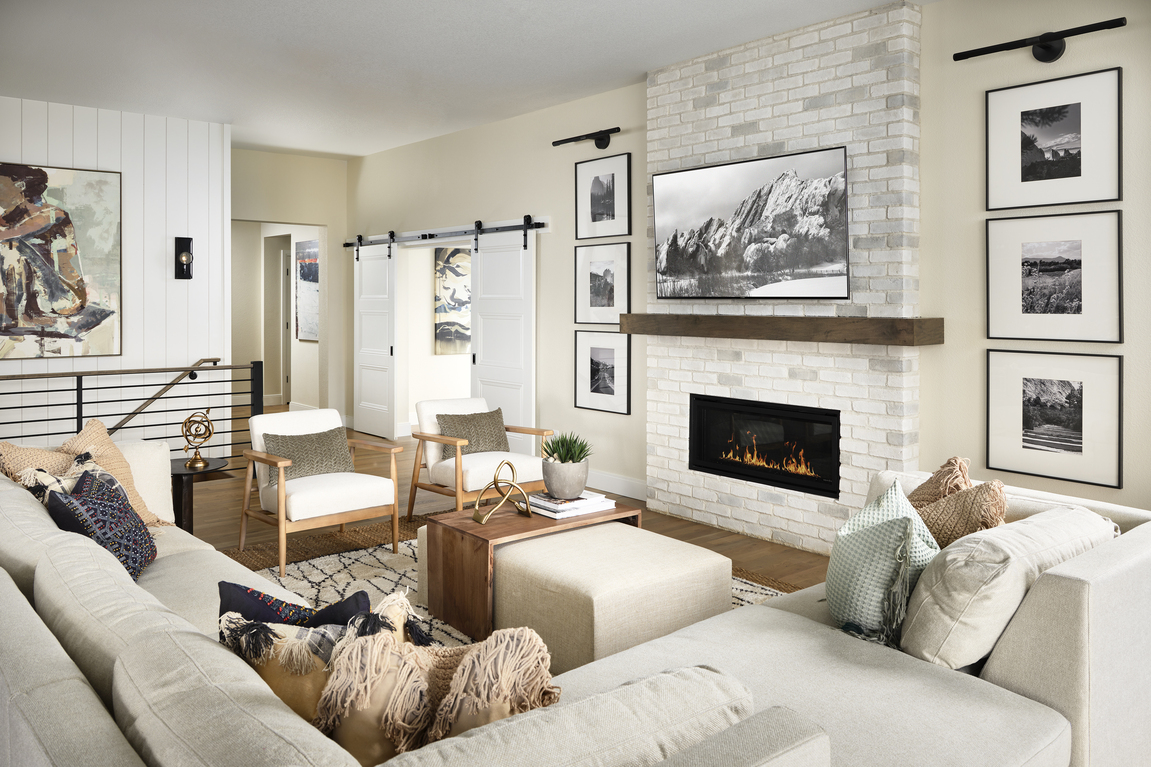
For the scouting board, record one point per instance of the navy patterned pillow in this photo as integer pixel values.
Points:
(255, 605)
(102, 512)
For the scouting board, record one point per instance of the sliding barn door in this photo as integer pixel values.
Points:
(504, 329)
(374, 339)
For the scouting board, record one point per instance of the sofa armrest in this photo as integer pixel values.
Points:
(777, 737)
(1079, 644)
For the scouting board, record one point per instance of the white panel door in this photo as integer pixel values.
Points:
(504, 329)
(374, 338)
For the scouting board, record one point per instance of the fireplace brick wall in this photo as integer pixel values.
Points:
(854, 82)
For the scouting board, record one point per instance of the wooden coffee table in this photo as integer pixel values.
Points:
(461, 558)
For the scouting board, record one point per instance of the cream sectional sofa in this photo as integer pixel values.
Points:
(96, 669)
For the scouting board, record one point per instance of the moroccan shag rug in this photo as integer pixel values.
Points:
(332, 577)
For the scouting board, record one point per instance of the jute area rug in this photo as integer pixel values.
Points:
(327, 567)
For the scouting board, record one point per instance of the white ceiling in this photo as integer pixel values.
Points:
(353, 77)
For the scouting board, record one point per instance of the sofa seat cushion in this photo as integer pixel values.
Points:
(53, 715)
(324, 494)
(182, 698)
(811, 603)
(479, 468)
(88, 600)
(173, 540)
(879, 707)
(188, 583)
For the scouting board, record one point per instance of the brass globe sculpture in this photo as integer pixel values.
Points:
(196, 430)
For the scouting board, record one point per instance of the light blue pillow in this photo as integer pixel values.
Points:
(876, 560)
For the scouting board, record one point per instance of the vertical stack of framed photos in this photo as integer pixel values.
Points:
(602, 283)
(1056, 277)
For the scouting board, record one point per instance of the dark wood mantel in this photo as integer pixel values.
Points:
(884, 331)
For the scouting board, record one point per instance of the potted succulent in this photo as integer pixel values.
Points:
(566, 465)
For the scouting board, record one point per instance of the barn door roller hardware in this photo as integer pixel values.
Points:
(1047, 47)
(602, 138)
(477, 229)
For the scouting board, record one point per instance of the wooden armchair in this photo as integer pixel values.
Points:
(320, 500)
(452, 473)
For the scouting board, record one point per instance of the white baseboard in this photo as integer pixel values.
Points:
(404, 429)
(614, 483)
(300, 406)
(273, 399)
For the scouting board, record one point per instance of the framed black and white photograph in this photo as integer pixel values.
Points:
(601, 283)
(774, 227)
(1057, 277)
(1055, 142)
(603, 371)
(1058, 415)
(603, 197)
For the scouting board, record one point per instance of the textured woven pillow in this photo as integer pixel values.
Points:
(968, 594)
(255, 605)
(14, 459)
(949, 478)
(875, 562)
(102, 513)
(324, 452)
(94, 439)
(483, 431)
(293, 660)
(954, 516)
(40, 482)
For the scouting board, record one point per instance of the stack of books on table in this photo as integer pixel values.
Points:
(558, 508)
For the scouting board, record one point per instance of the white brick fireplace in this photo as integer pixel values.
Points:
(854, 82)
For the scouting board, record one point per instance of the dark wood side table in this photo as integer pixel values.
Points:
(182, 480)
(461, 559)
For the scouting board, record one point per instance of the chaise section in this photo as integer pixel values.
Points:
(777, 737)
(879, 708)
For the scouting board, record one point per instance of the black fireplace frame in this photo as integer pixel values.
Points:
(781, 479)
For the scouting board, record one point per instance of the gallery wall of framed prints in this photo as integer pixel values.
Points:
(1056, 277)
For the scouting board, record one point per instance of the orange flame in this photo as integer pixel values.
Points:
(749, 456)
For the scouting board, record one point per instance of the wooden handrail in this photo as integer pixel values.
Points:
(165, 390)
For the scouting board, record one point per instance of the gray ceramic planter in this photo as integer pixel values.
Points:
(565, 480)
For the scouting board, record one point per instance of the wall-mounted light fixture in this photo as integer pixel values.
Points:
(1047, 47)
(601, 137)
(183, 258)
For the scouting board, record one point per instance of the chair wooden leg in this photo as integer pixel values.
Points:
(395, 530)
(341, 528)
(415, 476)
(246, 504)
(459, 479)
(282, 521)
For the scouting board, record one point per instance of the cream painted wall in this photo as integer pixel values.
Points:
(952, 252)
(503, 171)
(294, 189)
(247, 297)
(305, 388)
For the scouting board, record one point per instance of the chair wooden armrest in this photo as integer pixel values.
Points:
(453, 441)
(267, 459)
(529, 430)
(383, 447)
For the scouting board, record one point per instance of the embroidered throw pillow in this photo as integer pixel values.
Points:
(102, 513)
(483, 431)
(255, 605)
(876, 560)
(978, 508)
(94, 439)
(325, 452)
(39, 482)
(949, 478)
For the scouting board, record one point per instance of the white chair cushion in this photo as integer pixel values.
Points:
(426, 413)
(324, 494)
(292, 422)
(480, 467)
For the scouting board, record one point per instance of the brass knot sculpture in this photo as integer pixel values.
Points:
(196, 430)
(505, 495)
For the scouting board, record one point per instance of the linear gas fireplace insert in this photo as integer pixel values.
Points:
(787, 446)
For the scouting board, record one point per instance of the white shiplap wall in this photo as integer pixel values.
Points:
(175, 182)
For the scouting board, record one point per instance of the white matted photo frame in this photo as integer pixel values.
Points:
(1056, 277)
(603, 197)
(1054, 414)
(603, 371)
(602, 286)
(1055, 142)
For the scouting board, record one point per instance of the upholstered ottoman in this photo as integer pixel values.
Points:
(598, 590)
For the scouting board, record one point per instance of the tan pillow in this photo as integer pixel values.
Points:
(14, 460)
(484, 432)
(94, 439)
(968, 594)
(954, 516)
(949, 478)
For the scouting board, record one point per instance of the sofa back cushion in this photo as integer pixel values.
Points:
(774, 737)
(183, 698)
(93, 607)
(26, 529)
(639, 723)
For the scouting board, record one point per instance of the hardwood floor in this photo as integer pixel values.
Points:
(218, 497)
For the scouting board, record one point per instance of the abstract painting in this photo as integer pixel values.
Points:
(59, 262)
(769, 228)
(308, 290)
(453, 301)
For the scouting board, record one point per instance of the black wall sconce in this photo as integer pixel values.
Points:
(601, 137)
(1047, 47)
(183, 258)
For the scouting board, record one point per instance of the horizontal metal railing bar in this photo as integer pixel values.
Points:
(131, 372)
(91, 406)
(45, 420)
(45, 434)
(94, 402)
(39, 391)
(185, 382)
